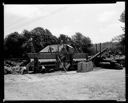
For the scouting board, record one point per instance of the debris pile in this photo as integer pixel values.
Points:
(12, 67)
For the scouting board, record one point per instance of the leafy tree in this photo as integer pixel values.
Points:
(26, 45)
(122, 19)
(42, 38)
(50, 38)
(64, 39)
(27, 34)
(82, 42)
(77, 39)
(38, 38)
(13, 45)
(121, 38)
(54, 40)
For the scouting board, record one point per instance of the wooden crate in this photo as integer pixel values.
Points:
(84, 66)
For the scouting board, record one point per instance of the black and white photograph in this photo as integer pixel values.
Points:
(64, 51)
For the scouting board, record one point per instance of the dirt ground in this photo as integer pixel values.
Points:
(99, 84)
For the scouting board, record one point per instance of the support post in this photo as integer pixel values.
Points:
(96, 48)
(100, 50)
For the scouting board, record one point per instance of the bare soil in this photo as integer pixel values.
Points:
(99, 84)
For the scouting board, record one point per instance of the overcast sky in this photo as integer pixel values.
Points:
(100, 22)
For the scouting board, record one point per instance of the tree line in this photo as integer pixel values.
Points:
(16, 45)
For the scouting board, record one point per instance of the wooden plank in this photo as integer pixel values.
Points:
(47, 55)
(99, 53)
(79, 55)
(42, 55)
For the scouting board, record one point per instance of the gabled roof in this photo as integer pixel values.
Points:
(54, 48)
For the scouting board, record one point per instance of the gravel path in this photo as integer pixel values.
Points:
(101, 84)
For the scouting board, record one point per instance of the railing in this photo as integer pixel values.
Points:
(47, 55)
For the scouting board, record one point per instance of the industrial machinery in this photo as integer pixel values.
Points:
(101, 61)
(57, 57)
(63, 57)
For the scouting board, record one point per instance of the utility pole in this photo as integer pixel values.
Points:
(96, 48)
(100, 50)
